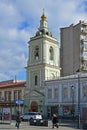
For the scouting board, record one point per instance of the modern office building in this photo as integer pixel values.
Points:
(73, 50)
(42, 64)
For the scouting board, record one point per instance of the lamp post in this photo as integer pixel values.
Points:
(72, 87)
(78, 102)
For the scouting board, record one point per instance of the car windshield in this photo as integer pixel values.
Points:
(37, 113)
(32, 113)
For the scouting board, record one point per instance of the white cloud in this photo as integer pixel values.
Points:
(8, 15)
(19, 20)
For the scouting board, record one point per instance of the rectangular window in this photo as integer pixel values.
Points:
(72, 91)
(19, 95)
(85, 91)
(85, 45)
(65, 92)
(85, 55)
(56, 93)
(49, 93)
(7, 95)
(15, 95)
(0, 94)
(35, 79)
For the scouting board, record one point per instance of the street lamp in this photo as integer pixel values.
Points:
(72, 87)
(78, 101)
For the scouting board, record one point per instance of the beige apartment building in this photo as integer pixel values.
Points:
(11, 97)
(73, 52)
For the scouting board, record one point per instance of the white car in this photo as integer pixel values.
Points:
(31, 115)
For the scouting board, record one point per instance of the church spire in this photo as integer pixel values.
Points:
(43, 21)
(43, 29)
(43, 17)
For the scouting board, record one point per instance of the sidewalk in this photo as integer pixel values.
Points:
(26, 126)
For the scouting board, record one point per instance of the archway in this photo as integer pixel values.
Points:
(34, 106)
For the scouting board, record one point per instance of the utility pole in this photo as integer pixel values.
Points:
(78, 102)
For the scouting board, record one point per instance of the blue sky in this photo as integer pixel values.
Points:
(20, 19)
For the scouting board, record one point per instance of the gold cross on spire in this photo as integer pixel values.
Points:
(43, 17)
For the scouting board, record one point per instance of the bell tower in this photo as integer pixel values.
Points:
(42, 65)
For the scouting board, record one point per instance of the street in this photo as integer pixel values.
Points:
(26, 126)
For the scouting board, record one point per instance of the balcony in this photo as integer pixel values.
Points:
(84, 67)
(84, 31)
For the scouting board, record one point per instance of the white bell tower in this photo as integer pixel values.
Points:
(42, 65)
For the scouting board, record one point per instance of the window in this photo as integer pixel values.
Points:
(56, 93)
(49, 93)
(85, 38)
(85, 45)
(15, 95)
(66, 110)
(36, 53)
(65, 92)
(19, 95)
(85, 54)
(36, 79)
(72, 91)
(0, 94)
(85, 91)
(7, 95)
(51, 53)
(52, 75)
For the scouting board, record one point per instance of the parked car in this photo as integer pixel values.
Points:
(31, 115)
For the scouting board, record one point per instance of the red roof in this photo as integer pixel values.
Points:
(12, 84)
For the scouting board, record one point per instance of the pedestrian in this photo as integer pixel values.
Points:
(54, 121)
(18, 120)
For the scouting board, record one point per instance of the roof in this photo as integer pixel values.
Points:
(12, 84)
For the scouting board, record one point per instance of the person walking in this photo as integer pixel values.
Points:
(18, 120)
(54, 121)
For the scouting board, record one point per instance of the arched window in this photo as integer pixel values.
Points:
(51, 53)
(36, 79)
(36, 53)
(52, 76)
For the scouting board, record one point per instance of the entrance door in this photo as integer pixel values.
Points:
(84, 113)
(34, 106)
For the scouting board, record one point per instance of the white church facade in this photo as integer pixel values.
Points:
(42, 64)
